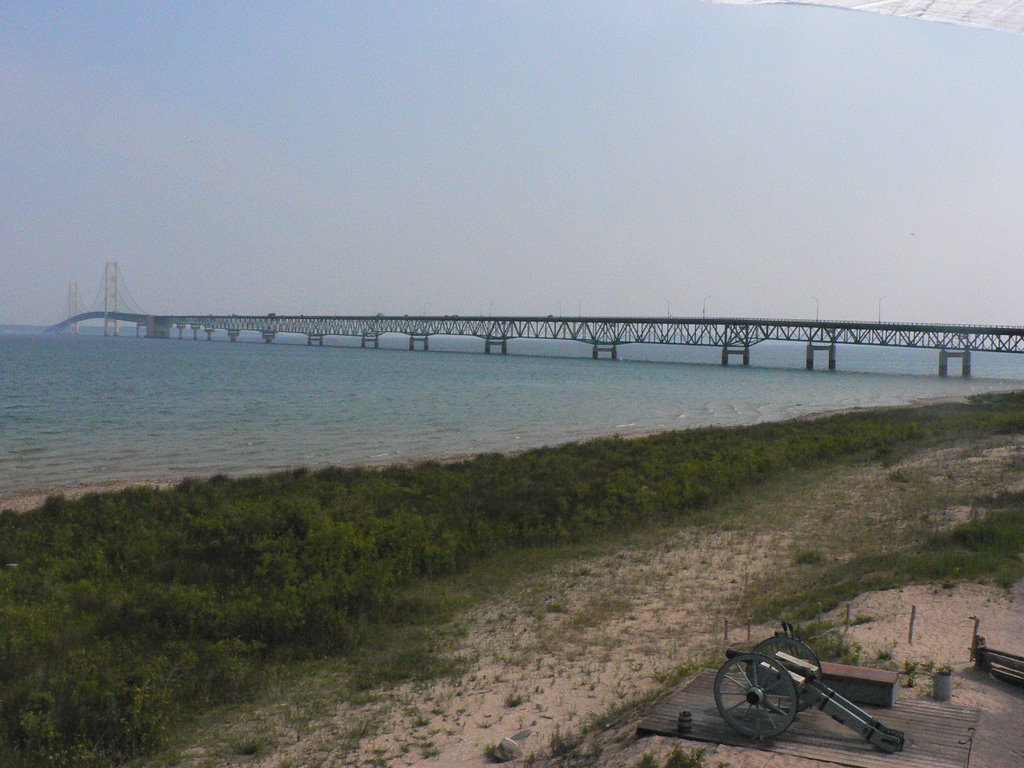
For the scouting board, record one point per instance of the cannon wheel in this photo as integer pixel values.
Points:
(756, 695)
(794, 647)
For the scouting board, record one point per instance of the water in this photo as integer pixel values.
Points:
(92, 409)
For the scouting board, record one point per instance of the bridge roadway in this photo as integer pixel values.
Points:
(733, 335)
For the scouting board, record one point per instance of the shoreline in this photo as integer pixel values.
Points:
(30, 499)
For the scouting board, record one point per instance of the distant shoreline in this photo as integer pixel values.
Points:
(33, 498)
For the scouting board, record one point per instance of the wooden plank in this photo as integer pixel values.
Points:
(934, 731)
(868, 674)
(1004, 660)
(1007, 674)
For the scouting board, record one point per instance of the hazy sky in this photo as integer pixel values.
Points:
(530, 157)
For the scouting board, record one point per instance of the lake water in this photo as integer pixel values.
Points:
(90, 409)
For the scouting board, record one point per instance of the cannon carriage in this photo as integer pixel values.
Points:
(760, 693)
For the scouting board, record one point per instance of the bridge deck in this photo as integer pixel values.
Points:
(937, 735)
(729, 333)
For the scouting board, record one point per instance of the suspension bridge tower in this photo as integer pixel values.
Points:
(73, 307)
(110, 297)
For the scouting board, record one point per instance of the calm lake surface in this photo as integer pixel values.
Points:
(89, 409)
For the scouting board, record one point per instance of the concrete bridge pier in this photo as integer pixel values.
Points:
(728, 352)
(157, 330)
(209, 333)
(370, 338)
(138, 330)
(181, 330)
(415, 339)
(317, 337)
(496, 342)
(195, 332)
(268, 336)
(605, 347)
(812, 348)
(965, 361)
(233, 334)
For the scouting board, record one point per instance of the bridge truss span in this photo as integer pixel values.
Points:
(734, 336)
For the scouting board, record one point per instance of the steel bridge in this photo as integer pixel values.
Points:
(733, 335)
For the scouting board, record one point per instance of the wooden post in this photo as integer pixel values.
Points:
(913, 616)
(748, 631)
(726, 632)
(847, 617)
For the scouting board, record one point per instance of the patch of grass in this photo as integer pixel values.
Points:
(561, 744)
(428, 749)
(680, 758)
(247, 746)
(900, 475)
(808, 557)
(986, 549)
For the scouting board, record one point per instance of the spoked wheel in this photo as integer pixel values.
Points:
(793, 647)
(756, 695)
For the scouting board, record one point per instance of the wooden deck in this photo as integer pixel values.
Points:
(933, 731)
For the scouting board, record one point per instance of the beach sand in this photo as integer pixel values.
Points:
(26, 501)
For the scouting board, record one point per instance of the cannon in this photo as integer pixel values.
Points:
(761, 692)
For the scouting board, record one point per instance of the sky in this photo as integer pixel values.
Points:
(510, 157)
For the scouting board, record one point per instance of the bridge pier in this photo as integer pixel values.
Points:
(209, 333)
(233, 334)
(601, 347)
(156, 329)
(965, 361)
(370, 338)
(268, 336)
(415, 339)
(728, 352)
(812, 348)
(317, 337)
(195, 332)
(181, 330)
(496, 342)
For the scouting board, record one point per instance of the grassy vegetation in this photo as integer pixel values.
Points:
(126, 611)
(679, 758)
(986, 549)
